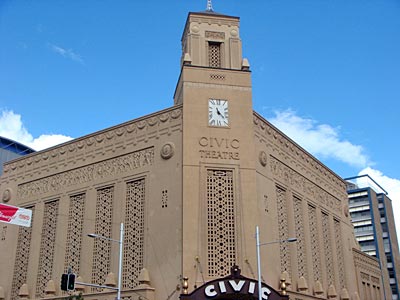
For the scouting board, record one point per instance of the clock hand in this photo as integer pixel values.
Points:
(218, 112)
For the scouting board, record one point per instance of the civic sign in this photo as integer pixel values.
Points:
(233, 287)
(15, 215)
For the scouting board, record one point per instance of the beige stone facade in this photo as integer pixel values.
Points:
(190, 183)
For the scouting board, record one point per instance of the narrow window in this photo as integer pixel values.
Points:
(214, 54)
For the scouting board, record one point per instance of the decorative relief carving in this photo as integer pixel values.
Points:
(167, 150)
(267, 129)
(47, 247)
(103, 226)
(195, 28)
(364, 276)
(89, 173)
(221, 241)
(7, 194)
(339, 252)
(22, 257)
(81, 145)
(328, 249)
(215, 35)
(283, 230)
(302, 184)
(226, 22)
(262, 157)
(301, 245)
(346, 210)
(375, 280)
(134, 236)
(74, 233)
(315, 248)
(366, 262)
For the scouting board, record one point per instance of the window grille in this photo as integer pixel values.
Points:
(134, 232)
(301, 245)
(214, 55)
(22, 257)
(47, 246)
(103, 226)
(283, 229)
(328, 249)
(220, 222)
(74, 233)
(315, 247)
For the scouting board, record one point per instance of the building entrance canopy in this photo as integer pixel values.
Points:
(234, 286)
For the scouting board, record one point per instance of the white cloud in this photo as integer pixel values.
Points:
(12, 127)
(67, 53)
(320, 139)
(391, 185)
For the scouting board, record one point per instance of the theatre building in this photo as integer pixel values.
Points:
(190, 184)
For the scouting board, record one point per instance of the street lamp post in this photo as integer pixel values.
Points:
(258, 244)
(121, 245)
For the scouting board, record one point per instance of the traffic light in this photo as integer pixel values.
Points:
(68, 282)
(71, 282)
(64, 282)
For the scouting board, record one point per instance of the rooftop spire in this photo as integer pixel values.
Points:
(209, 6)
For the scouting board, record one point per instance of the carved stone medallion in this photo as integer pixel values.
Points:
(262, 157)
(167, 150)
(7, 195)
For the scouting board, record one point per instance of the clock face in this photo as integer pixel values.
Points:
(218, 113)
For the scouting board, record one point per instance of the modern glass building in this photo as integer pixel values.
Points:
(10, 150)
(374, 226)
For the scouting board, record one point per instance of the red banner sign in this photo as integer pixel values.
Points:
(15, 215)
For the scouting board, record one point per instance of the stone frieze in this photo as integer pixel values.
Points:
(268, 130)
(85, 144)
(303, 185)
(100, 170)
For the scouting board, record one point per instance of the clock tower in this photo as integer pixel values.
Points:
(219, 181)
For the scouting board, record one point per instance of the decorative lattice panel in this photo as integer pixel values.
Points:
(103, 226)
(74, 233)
(328, 249)
(301, 246)
(164, 199)
(314, 237)
(22, 257)
(134, 232)
(220, 222)
(339, 252)
(214, 55)
(47, 246)
(283, 229)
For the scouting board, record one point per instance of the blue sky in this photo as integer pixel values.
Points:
(326, 72)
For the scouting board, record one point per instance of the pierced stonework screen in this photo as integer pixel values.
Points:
(220, 222)
(134, 232)
(214, 54)
(47, 246)
(283, 229)
(22, 258)
(103, 226)
(74, 234)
